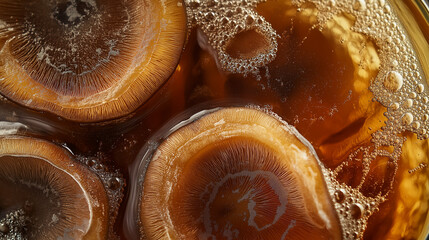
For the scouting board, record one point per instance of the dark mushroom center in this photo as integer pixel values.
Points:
(73, 12)
(40, 200)
(237, 189)
(73, 47)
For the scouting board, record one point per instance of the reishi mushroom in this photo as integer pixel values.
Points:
(236, 173)
(54, 195)
(88, 60)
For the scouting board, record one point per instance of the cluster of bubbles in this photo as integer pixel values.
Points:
(419, 167)
(399, 85)
(112, 180)
(13, 225)
(221, 21)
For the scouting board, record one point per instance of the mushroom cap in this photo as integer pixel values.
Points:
(88, 60)
(236, 172)
(60, 197)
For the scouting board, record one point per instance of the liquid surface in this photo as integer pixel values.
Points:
(343, 73)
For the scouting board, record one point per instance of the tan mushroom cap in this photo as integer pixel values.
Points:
(66, 199)
(88, 60)
(236, 173)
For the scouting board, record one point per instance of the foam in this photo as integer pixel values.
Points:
(221, 21)
(399, 85)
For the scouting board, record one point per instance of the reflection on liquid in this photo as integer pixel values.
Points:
(343, 73)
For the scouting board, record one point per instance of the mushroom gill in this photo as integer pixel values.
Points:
(236, 173)
(88, 60)
(45, 194)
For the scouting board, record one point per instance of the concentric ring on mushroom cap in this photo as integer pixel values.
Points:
(61, 197)
(236, 173)
(88, 60)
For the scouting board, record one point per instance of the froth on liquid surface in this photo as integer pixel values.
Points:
(342, 72)
(345, 74)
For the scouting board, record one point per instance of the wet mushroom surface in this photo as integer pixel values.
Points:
(310, 121)
(46, 194)
(88, 60)
(236, 173)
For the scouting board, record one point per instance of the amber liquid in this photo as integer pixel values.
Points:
(311, 84)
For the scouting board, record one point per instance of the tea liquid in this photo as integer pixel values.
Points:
(343, 73)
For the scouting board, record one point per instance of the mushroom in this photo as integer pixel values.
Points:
(236, 173)
(88, 60)
(46, 194)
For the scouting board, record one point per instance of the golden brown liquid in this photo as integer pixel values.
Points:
(319, 82)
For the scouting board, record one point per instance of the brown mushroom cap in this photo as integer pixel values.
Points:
(60, 197)
(88, 60)
(236, 173)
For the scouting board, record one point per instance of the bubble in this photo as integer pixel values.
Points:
(249, 20)
(99, 167)
(114, 183)
(347, 234)
(394, 106)
(413, 95)
(339, 196)
(393, 81)
(91, 162)
(359, 5)
(407, 118)
(209, 16)
(420, 88)
(225, 20)
(356, 210)
(416, 125)
(4, 228)
(425, 117)
(408, 103)
(387, 9)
